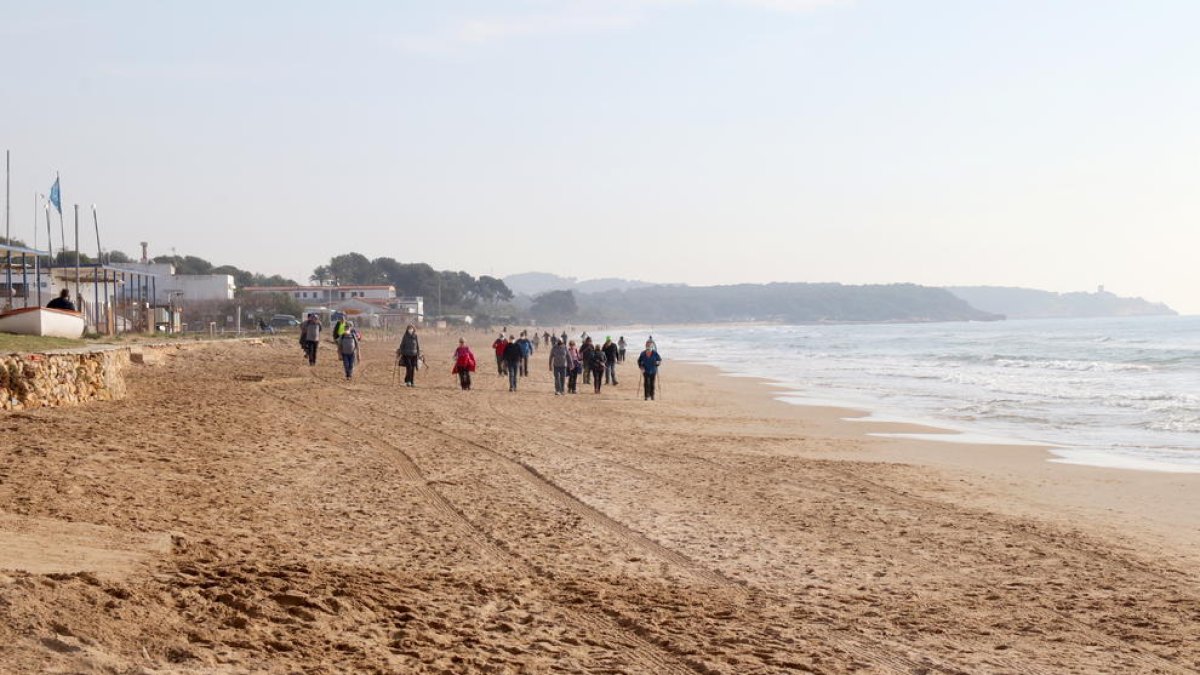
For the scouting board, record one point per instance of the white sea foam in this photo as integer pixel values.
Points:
(1110, 392)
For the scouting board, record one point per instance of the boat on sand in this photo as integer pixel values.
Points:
(42, 321)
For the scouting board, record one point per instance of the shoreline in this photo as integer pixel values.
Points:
(1160, 508)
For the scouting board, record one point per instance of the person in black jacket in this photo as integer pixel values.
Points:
(586, 350)
(63, 302)
(310, 338)
(598, 366)
(611, 354)
(512, 360)
(409, 353)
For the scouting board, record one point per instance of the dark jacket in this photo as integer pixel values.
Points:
(410, 345)
(598, 360)
(61, 303)
(610, 351)
(648, 362)
(513, 353)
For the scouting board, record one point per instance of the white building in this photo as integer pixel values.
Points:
(195, 287)
(393, 313)
(327, 295)
(184, 288)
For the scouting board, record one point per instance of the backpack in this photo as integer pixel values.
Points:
(347, 344)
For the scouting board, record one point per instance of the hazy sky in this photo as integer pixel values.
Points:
(1034, 143)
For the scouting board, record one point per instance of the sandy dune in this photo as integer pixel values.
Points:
(304, 524)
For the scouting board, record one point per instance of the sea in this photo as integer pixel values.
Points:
(1112, 392)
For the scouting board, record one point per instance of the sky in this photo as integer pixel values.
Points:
(1044, 144)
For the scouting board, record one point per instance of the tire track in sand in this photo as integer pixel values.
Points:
(1012, 664)
(1122, 646)
(880, 651)
(664, 657)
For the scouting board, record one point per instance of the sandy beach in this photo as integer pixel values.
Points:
(242, 512)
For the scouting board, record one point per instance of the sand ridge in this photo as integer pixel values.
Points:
(319, 525)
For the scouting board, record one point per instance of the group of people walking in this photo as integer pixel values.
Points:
(597, 364)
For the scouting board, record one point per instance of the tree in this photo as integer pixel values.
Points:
(408, 278)
(118, 257)
(186, 264)
(554, 306)
(67, 259)
(321, 274)
(493, 290)
(353, 268)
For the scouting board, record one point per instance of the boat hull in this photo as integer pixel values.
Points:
(43, 321)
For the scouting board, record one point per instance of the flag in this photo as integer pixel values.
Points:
(55, 198)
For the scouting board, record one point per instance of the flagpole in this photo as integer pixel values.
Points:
(37, 265)
(50, 248)
(7, 230)
(62, 229)
(96, 269)
(78, 291)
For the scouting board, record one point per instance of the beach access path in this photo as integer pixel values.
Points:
(242, 512)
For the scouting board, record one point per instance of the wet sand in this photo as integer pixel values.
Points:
(301, 523)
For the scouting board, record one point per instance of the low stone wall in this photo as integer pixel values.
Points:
(62, 378)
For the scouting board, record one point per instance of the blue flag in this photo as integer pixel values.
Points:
(55, 198)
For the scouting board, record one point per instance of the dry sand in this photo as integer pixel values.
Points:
(303, 524)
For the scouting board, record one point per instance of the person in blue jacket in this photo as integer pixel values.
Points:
(526, 351)
(648, 362)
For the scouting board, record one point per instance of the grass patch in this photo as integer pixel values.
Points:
(10, 343)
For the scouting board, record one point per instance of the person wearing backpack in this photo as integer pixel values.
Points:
(560, 360)
(310, 338)
(409, 354)
(348, 348)
(464, 364)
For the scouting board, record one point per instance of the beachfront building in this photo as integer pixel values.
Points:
(327, 295)
(382, 313)
(176, 289)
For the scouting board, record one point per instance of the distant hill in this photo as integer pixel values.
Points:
(1028, 303)
(533, 283)
(784, 302)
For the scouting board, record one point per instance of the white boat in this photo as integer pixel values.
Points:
(42, 321)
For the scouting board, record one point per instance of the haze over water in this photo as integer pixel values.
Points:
(1105, 392)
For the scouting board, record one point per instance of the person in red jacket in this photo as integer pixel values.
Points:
(499, 346)
(464, 364)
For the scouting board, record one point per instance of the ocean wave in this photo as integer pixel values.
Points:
(1182, 423)
(1070, 365)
